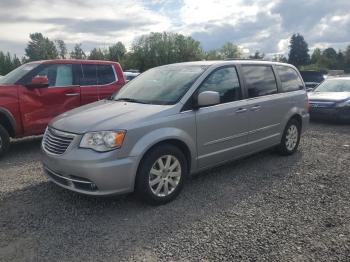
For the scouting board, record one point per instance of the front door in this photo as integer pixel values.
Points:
(222, 129)
(40, 105)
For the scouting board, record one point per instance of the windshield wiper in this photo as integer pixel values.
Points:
(132, 100)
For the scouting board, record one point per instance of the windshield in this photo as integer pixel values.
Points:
(162, 85)
(339, 85)
(18, 73)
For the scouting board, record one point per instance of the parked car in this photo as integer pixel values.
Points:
(130, 75)
(331, 100)
(172, 121)
(312, 78)
(34, 93)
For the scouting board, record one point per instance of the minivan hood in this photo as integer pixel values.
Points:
(107, 115)
(329, 96)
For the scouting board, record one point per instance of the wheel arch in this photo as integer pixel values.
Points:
(8, 122)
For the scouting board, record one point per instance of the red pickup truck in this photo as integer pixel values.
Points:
(36, 92)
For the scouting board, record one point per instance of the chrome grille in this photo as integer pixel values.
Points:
(56, 142)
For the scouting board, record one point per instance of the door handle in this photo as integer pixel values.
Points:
(73, 94)
(241, 110)
(255, 108)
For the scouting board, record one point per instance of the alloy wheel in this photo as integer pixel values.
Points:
(165, 175)
(292, 137)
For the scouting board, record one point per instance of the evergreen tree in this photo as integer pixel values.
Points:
(299, 51)
(96, 54)
(77, 52)
(116, 52)
(40, 48)
(62, 48)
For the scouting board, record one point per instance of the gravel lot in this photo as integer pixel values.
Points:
(263, 207)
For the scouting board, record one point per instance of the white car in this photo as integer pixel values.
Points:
(129, 75)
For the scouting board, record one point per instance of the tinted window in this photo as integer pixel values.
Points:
(225, 82)
(89, 75)
(289, 78)
(311, 76)
(58, 75)
(260, 80)
(105, 74)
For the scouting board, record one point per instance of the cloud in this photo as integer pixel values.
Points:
(264, 25)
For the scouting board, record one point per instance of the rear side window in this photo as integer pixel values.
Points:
(225, 82)
(260, 80)
(289, 78)
(105, 74)
(89, 75)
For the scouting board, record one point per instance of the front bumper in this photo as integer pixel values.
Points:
(88, 172)
(331, 113)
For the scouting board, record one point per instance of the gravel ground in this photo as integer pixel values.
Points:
(261, 208)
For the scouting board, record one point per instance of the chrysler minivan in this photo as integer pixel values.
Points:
(175, 120)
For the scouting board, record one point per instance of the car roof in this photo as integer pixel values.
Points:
(74, 61)
(228, 62)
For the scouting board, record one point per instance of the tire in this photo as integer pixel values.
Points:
(4, 141)
(170, 176)
(290, 138)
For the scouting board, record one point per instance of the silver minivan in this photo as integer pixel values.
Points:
(173, 121)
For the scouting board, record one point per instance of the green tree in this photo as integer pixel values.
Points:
(316, 56)
(280, 58)
(212, 55)
(8, 63)
(230, 50)
(40, 48)
(347, 58)
(257, 55)
(299, 51)
(340, 60)
(116, 52)
(158, 49)
(96, 54)
(77, 52)
(61, 48)
(330, 58)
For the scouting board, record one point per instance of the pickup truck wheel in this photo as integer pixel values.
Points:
(4, 141)
(290, 138)
(161, 175)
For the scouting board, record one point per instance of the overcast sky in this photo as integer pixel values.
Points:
(264, 25)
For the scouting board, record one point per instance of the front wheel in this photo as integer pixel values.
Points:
(161, 174)
(4, 141)
(290, 138)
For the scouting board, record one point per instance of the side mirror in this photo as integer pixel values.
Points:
(309, 89)
(39, 82)
(208, 98)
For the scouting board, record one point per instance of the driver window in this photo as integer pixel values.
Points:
(58, 75)
(225, 82)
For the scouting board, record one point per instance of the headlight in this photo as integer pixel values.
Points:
(343, 104)
(103, 141)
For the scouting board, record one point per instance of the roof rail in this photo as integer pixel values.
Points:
(254, 59)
